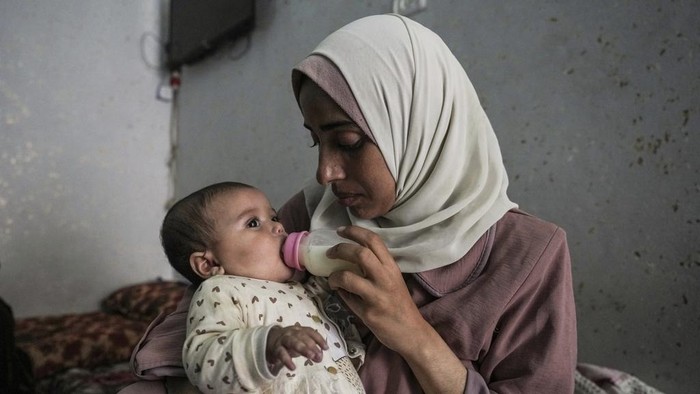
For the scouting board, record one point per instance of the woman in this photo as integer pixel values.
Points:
(462, 292)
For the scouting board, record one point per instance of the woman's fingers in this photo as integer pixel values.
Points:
(368, 239)
(370, 253)
(380, 298)
(352, 291)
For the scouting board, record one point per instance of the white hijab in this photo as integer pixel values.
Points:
(425, 117)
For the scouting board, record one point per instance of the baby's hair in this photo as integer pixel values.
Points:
(188, 227)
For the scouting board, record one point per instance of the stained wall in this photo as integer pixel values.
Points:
(84, 145)
(595, 105)
(597, 108)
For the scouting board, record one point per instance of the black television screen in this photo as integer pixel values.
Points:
(198, 27)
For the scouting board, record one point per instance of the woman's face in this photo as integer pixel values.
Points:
(347, 159)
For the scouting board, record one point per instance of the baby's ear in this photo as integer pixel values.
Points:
(203, 265)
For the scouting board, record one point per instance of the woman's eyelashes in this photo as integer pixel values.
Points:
(314, 139)
(352, 146)
(342, 142)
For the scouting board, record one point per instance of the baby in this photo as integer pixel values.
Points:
(250, 317)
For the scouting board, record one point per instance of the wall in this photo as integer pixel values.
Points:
(83, 152)
(596, 105)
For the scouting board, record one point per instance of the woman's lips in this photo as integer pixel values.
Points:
(347, 199)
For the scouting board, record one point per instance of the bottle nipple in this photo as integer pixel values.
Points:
(290, 250)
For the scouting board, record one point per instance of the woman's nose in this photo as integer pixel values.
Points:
(329, 168)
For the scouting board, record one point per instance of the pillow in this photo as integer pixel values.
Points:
(84, 340)
(145, 301)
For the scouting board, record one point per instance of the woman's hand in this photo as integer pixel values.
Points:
(381, 298)
(383, 302)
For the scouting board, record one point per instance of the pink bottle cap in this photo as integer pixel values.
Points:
(290, 250)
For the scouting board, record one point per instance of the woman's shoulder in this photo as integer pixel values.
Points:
(527, 240)
(523, 225)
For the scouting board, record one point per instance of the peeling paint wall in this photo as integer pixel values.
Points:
(597, 108)
(83, 153)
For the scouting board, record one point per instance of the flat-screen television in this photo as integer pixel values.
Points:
(199, 27)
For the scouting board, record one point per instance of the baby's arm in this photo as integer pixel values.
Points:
(221, 352)
(285, 343)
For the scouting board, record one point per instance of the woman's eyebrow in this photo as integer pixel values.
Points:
(334, 125)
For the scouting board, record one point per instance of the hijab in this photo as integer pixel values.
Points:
(401, 84)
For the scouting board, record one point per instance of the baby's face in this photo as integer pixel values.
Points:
(249, 237)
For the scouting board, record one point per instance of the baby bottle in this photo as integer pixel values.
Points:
(307, 250)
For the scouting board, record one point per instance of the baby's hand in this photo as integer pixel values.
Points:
(285, 343)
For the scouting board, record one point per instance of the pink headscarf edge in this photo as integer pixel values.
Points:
(324, 73)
